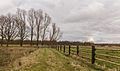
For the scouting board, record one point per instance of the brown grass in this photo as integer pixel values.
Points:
(9, 55)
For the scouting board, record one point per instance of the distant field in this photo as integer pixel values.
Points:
(9, 55)
(17, 45)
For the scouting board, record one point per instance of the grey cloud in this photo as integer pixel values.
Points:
(78, 19)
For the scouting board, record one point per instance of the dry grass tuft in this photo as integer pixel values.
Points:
(9, 55)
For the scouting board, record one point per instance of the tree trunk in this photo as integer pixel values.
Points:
(8, 42)
(31, 42)
(21, 42)
(31, 37)
(37, 42)
(37, 35)
(2, 41)
(2, 37)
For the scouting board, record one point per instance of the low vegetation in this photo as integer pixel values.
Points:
(42, 59)
(111, 54)
(9, 55)
(47, 59)
(28, 58)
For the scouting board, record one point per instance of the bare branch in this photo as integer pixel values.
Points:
(55, 33)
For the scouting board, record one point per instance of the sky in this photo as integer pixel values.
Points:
(79, 20)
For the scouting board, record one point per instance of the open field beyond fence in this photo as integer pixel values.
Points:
(100, 56)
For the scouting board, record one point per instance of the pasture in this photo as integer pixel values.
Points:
(61, 57)
(39, 59)
(108, 58)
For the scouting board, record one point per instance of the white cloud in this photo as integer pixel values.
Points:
(78, 19)
(91, 11)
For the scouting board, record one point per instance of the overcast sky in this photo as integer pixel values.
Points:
(79, 20)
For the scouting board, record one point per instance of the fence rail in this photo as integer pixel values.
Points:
(78, 50)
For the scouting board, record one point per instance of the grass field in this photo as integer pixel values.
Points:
(9, 54)
(42, 59)
(104, 65)
(16, 45)
(47, 59)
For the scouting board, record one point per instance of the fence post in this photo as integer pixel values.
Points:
(77, 49)
(69, 49)
(60, 47)
(64, 48)
(93, 55)
(56, 47)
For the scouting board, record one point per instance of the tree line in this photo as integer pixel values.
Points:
(28, 24)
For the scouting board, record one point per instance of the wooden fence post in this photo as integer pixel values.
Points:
(60, 47)
(56, 47)
(77, 49)
(93, 55)
(69, 49)
(64, 48)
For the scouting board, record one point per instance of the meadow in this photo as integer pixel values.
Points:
(9, 54)
(32, 58)
(27, 58)
(106, 57)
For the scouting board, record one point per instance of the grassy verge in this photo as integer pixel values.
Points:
(9, 55)
(46, 59)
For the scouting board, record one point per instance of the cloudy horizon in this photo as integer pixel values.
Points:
(79, 20)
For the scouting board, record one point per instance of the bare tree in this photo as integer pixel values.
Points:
(55, 33)
(10, 28)
(31, 21)
(21, 24)
(39, 20)
(2, 27)
(46, 23)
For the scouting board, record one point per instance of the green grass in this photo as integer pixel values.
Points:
(44, 59)
(47, 59)
(101, 51)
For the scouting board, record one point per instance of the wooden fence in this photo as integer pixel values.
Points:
(75, 50)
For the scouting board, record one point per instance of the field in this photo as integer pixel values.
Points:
(108, 58)
(9, 54)
(48, 59)
(42, 59)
